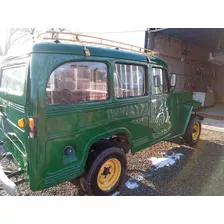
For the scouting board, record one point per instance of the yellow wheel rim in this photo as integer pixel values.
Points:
(109, 174)
(196, 131)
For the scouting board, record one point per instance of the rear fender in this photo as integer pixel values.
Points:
(106, 135)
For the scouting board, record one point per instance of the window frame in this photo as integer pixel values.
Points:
(83, 102)
(16, 66)
(167, 79)
(145, 80)
(18, 99)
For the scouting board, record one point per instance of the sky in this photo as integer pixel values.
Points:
(112, 20)
(134, 37)
(131, 33)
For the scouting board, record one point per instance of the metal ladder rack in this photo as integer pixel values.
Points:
(91, 40)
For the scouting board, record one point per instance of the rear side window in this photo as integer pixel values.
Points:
(13, 80)
(129, 80)
(77, 82)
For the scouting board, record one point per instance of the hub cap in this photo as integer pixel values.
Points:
(196, 131)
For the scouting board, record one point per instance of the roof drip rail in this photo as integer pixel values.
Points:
(95, 41)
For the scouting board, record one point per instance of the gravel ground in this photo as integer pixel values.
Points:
(200, 171)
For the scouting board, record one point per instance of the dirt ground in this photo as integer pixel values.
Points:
(198, 171)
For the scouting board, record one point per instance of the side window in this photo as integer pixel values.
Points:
(77, 82)
(129, 80)
(163, 80)
(13, 80)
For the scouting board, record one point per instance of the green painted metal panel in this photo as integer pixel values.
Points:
(145, 120)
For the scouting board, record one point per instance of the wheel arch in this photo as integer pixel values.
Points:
(187, 112)
(97, 138)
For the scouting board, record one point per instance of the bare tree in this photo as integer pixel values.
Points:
(20, 36)
(54, 30)
(10, 37)
(30, 31)
(16, 36)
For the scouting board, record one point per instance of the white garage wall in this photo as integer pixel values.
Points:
(170, 50)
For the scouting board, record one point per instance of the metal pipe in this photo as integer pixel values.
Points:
(137, 71)
(3, 155)
(131, 81)
(158, 30)
(8, 185)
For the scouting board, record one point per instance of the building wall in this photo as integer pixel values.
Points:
(195, 69)
(219, 85)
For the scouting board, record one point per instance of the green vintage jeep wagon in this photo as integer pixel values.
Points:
(73, 111)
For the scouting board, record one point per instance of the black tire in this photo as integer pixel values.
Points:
(188, 136)
(89, 182)
(82, 183)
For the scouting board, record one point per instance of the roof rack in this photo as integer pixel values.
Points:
(91, 40)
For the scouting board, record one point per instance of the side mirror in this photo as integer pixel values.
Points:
(173, 79)
(157, 81)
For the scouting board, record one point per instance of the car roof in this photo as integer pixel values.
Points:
(65, 48)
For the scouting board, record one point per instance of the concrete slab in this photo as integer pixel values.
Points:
(216, 112)
(213, 125)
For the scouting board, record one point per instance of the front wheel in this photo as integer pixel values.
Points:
(106, 173)
(193, 131)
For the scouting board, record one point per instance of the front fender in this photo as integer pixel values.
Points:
(185, 115)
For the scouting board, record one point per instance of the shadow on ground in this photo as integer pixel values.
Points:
(199, 172)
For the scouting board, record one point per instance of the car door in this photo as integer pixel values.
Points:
(131, 104)
(160, 120)
(13, 87)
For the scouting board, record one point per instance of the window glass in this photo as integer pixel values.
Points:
(129, 80)
(163, 82)
(77, 82)
(13, 80)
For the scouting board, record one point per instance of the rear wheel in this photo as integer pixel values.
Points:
(193, 131)
(106, 173)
